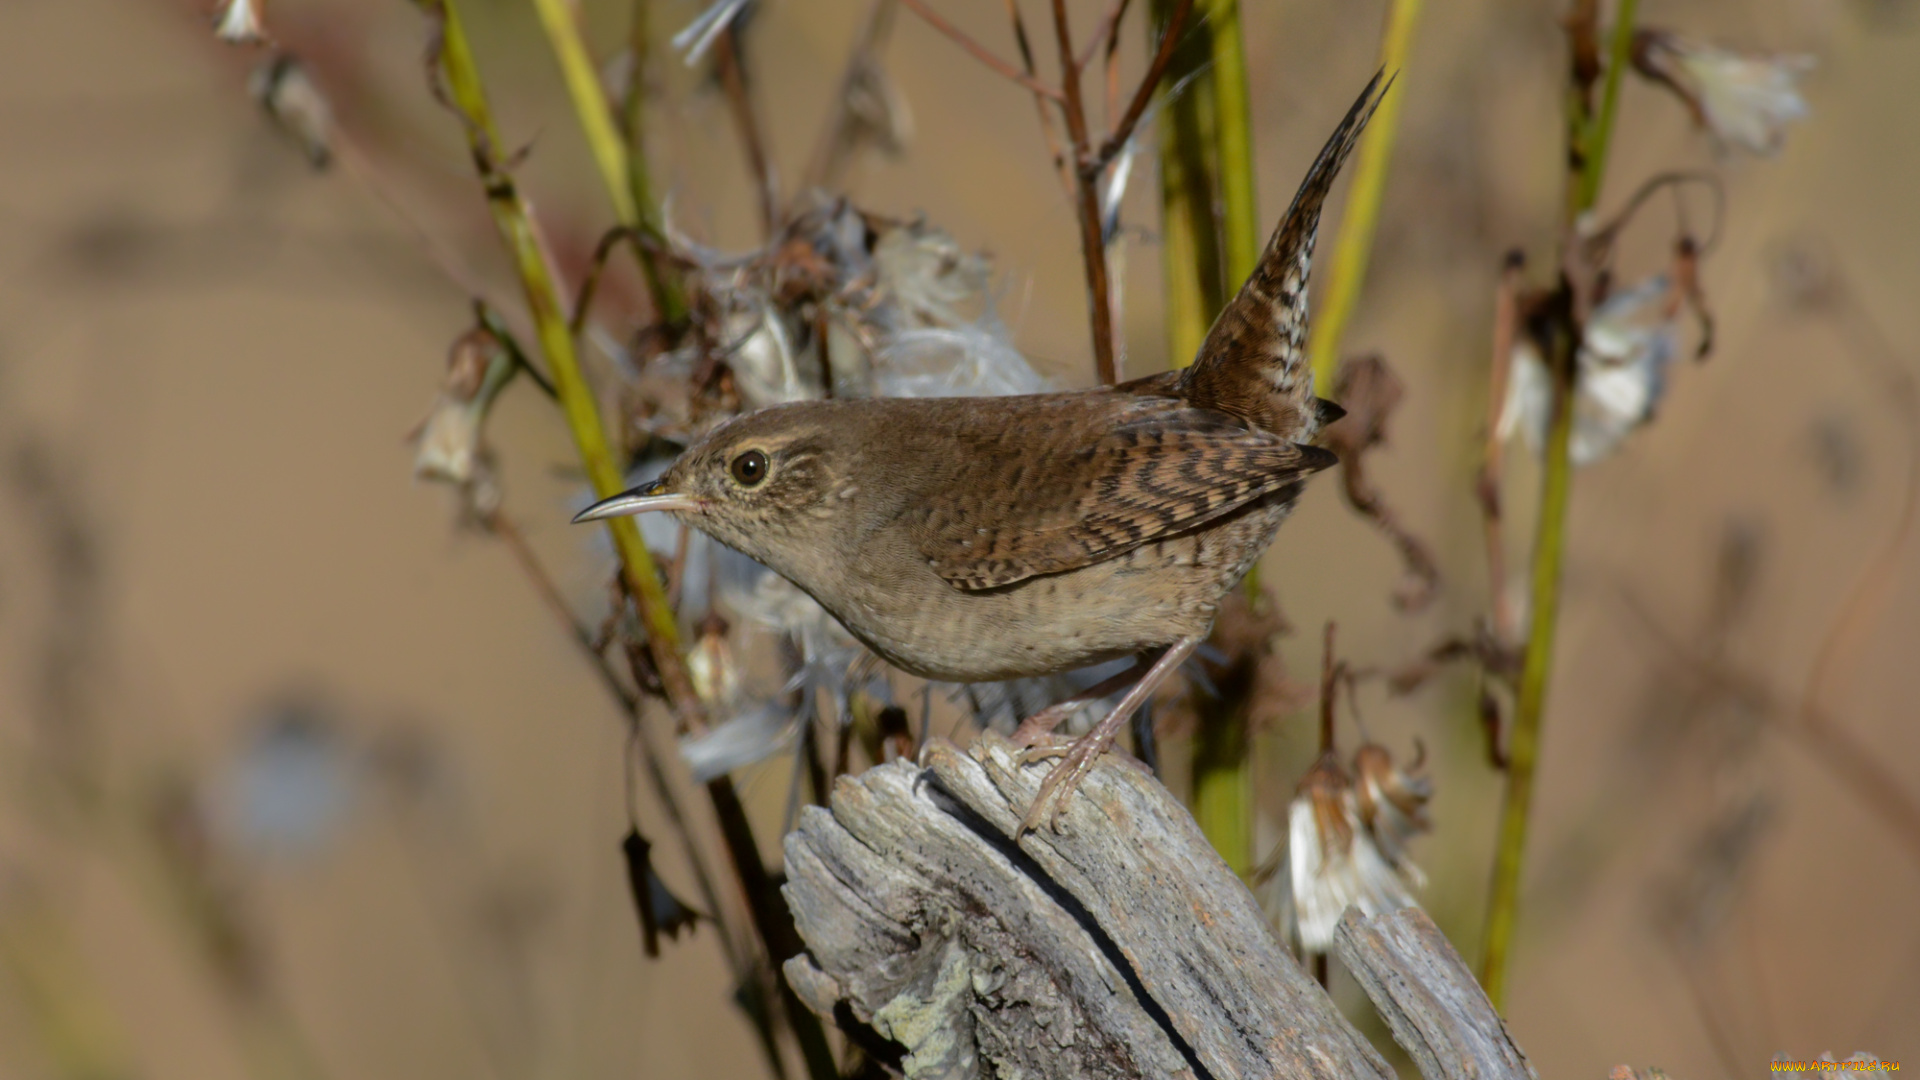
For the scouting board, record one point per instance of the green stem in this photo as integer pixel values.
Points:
(1600, 137)
(1588, 139)
(544, 301)
(589, 103)
(549, 311)
(1233, 140)
(1523, 747)
(1354, 245)
(1189, 229)
(618, 151)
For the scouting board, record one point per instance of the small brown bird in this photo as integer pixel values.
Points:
(975, 539)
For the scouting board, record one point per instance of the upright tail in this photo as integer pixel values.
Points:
(1253, 363)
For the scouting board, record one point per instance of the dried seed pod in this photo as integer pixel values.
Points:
(286, 90)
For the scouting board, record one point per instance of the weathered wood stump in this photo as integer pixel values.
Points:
(1119, 947)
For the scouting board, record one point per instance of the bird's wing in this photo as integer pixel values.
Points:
(1162, 469)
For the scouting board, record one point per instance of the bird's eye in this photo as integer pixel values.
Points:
(749, 468)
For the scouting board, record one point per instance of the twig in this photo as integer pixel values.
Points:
(1367, 388)
(1241, 231)
(521, 237)
(669, 292)
(1086, 177)
(1156, 74)
(1871, 591)
(836, 141)
(1330, 675)
(1859, 769)
(1049, 128)
(1189, 236)
(1108, 34)
(981, 52)
(733, 78)
(503, 528)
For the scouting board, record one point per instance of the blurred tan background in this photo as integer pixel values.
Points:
(223, 598)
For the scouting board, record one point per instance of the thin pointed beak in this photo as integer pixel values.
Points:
(638, 501)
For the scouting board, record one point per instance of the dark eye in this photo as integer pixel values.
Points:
(749, 468)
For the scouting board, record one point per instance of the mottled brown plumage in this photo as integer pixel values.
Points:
(974, 539)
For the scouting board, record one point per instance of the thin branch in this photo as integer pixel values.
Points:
(463, 91)
(1108, 34)
(837, 138)
(1157, 70)
(1049, 128)
(981, 52)
(733, 78)
(1093, 248)
(1873, 588)
(503, 529)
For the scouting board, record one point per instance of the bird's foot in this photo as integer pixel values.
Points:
(1035, 733)
(1077, 757)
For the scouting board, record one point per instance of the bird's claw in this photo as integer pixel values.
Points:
(1050, 803)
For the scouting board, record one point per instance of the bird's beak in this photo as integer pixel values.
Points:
(654, 496)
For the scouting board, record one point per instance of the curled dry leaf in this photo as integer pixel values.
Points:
(1369, 392)
(660, 911)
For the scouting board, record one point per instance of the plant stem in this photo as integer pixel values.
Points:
(548, 308)
(619, 156)
(1189, 232)
(589, 104)
(549, 311)
(1353, 246)
(669, 297)
(1523, 747)
(1600, 134)
(1233, 141)
(1588, 136)
(1223, 758)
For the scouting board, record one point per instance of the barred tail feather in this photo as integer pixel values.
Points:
(1253, 362)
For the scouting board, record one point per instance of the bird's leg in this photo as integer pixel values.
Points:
(1037, 728)
(1066, 776)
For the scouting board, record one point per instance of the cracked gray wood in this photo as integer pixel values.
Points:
(1428, 997)
(1120, 947)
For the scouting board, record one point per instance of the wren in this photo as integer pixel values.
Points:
(986, 538)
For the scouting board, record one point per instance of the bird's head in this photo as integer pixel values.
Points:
(766, 484)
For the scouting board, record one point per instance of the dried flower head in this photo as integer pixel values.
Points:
(450, 445)
(239, 22)
(1745, 100)
(1329, 862)
(1630, 340)
(712, 666)
(1392, 804)
(294, 102)
(877, 112)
